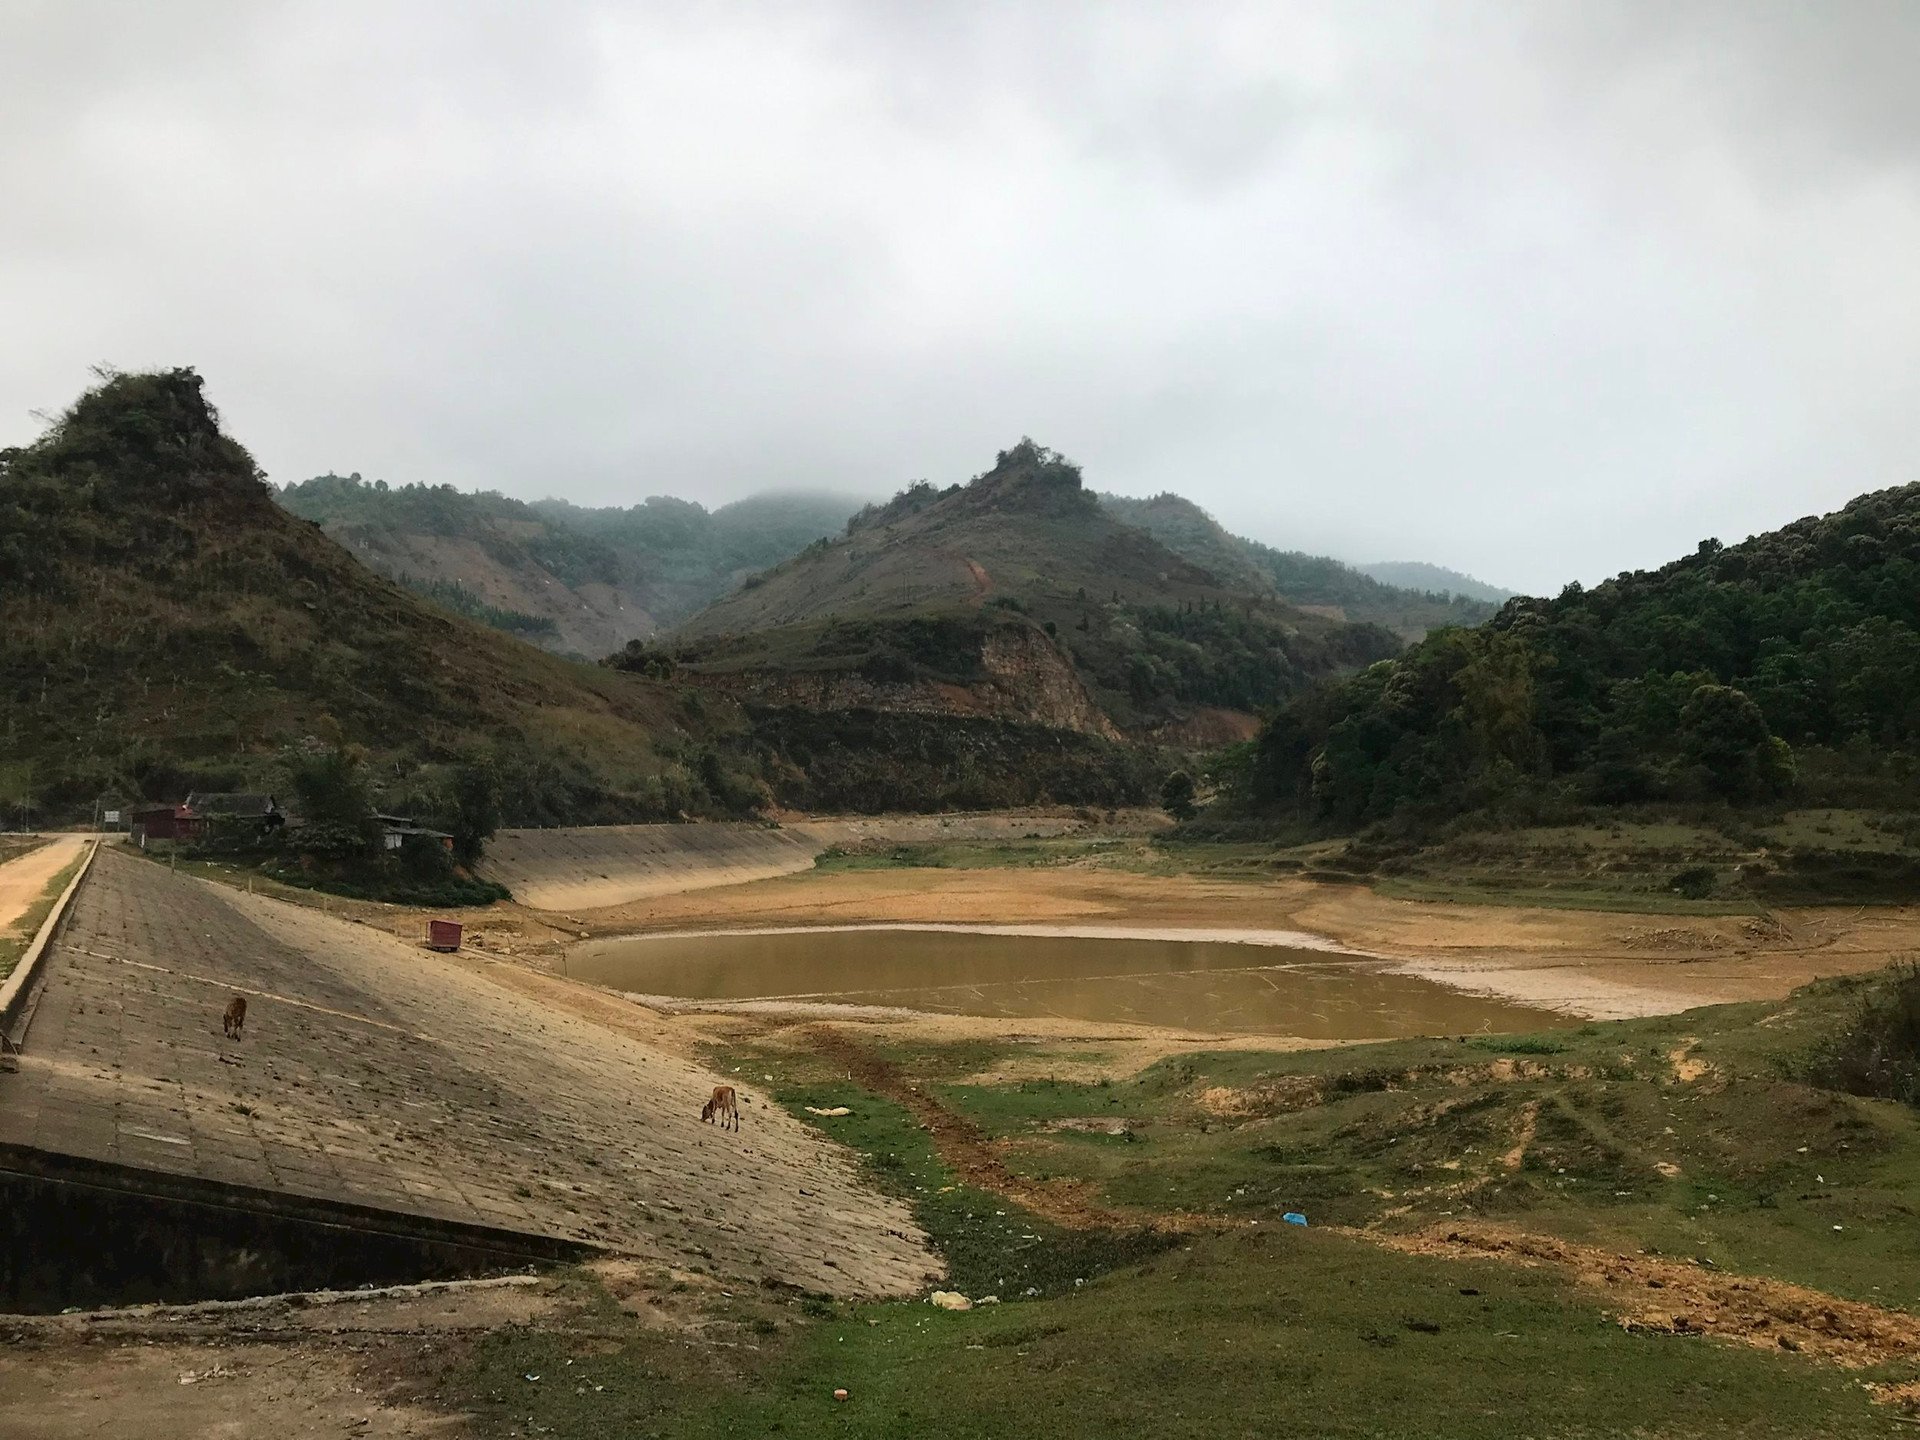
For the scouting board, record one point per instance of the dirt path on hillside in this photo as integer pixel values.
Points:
(972, 1154)
(24, 879)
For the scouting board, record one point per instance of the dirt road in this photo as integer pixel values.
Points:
(24, 880)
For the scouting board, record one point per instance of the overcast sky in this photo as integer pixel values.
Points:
(1539, 291)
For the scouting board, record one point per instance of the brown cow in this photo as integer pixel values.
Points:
(235, 1017)
(725, 1104)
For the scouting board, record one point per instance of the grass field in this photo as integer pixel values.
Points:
(1151, 1283)
(1035, 853)
(1655, 865)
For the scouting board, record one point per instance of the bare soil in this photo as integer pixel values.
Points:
(1677, 1298)
(25, 878)
(289, 1367)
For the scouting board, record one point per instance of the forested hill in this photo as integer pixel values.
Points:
(1784, 666)
(169, 627)
(1152, 635)
(1314, 582)
(573, 579)
(1433, 579)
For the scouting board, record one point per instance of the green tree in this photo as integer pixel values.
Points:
(1496, 694)
(1176, 795)
(476, 811)
(1723, 732)
(334, 802)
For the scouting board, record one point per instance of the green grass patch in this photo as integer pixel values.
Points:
(1263, 1328)
(1586, 1133)
(992, 1245)
(1272, 1333)
(1033, 852)
(1256, 1333)
(1519, 1044)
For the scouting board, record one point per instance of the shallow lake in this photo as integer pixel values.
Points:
(1191, 984)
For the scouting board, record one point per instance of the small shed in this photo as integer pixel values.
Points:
(263, 809)
(164, 822)
(398, 837)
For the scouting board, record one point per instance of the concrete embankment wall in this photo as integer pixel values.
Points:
(591, 867)
(383, 1102)
(76, 1232)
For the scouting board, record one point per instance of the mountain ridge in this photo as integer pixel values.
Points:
(1151, 635)
(172, 627)
(1313, 582)
(1435, 579)
(575, 579)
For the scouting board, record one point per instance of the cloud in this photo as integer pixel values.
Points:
(1538, 293)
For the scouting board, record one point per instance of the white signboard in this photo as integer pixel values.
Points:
(113, 817)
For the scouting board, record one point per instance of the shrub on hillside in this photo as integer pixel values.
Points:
(1878, 1054)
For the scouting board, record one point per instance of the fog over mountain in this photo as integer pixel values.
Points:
(1535, 293)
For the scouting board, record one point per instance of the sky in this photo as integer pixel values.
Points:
(1539, 291)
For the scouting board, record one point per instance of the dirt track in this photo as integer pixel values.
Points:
(1679, 1298)
(23, 880)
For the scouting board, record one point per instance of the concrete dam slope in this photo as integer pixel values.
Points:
(374, 1074)
(586, 867)
(590, 867)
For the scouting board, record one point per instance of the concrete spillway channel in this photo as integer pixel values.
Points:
(387, 1115)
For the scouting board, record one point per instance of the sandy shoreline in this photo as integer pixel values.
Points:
(1598, 965)
(1199, 935)
(1591, 964)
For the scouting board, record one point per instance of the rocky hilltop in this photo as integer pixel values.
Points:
(170, 627)
(900, 609)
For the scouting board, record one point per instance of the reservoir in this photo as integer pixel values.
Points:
(1191, 984)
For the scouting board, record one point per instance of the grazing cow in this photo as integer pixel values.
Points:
(724, 1104)
(235, 1017)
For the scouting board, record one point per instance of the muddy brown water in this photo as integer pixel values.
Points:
(1185, 983)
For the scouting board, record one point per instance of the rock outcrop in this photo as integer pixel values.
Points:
(1025, 679)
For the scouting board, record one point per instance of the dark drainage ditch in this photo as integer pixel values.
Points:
(78, 1233)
